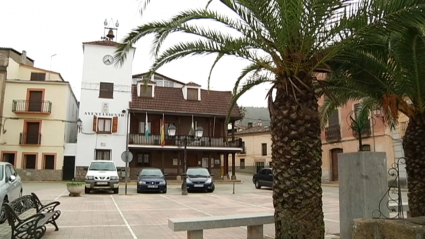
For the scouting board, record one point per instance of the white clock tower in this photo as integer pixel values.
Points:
(105, 97)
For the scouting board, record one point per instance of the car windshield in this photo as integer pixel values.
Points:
(102, 166)
(151, 172)
(198, 172)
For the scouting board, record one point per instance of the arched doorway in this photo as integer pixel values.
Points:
(334, 163)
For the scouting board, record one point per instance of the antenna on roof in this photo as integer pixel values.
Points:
(110, 36)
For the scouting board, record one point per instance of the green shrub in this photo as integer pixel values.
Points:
(75, 183)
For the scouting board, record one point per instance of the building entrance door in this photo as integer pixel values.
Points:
(334, 163)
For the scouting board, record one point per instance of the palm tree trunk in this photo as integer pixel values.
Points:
(297, 160)
(414, 147)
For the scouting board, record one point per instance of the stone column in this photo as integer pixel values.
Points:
(226, 165)
(362, 185)
(233, 166)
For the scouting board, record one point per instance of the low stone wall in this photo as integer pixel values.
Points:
(40, 175)
(410, 228)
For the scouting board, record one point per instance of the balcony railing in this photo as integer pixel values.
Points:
(30, 106)
(141, 139)
(333, 133)
(365, 133)
(30, 138)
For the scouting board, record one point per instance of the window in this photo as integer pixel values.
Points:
(334, 118)
(146, 91)
(102, 154)
(270, 164)
(143, 160)
(250, 125)
(29, 161)
(35, 101)
(49, 162)
(31, 134)
(356, 110)
(264, 149)
(106, 90)
(9, 157)
(192, 94)
(37, 76)
(365, 147)
(104, 125)
(142, 127)
(242, 163)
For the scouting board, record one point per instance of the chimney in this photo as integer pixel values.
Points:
(24, 57)
(259, 122)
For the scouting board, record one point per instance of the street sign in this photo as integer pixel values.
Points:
(127, 156)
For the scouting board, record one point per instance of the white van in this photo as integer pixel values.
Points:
(102, 175)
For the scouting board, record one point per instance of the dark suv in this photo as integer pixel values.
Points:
(263, 178)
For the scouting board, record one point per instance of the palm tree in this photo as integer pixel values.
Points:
(387, 71)
(284, 43)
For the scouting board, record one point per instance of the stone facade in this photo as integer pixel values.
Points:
(39, 175)
(388, 228)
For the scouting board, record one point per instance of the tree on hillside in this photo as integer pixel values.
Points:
(284, 43)
(387, 72)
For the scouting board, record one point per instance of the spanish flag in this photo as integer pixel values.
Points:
(163, 131)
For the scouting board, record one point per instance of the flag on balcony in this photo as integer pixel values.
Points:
(192, 128)
(163, 131)
(146, 126)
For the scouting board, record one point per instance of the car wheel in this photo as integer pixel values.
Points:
(116, 190)
(138, 191)
(87, 190)
(164, 191)
(212, 189)
(257, 185)
(3, 212)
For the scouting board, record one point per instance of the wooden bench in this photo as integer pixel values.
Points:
(195, 226)
(34, 225)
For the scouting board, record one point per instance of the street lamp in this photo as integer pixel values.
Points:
(79, 124)
(186, 138)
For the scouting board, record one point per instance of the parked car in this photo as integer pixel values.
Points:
(10, 186)
(263, 178)
(151, 179)
(199, 179)
(102, 175)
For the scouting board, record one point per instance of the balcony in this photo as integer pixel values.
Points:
(333, 133)
(365, 133)
(141, 139)
(30, 139)
(31, 107)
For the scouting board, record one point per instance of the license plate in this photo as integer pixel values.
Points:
(102, 183)
(198, 185)
(152, 186)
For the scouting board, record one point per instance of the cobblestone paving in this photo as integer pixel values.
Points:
(145, 216)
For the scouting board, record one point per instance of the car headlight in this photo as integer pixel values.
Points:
(162, 183)
(208, 180)
(142, 182)
(114, 177)
(188, 180)
(89, 177)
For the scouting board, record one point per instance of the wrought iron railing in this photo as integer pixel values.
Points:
(141, 139)
(30, 138)
(393, 194)
(21, 106)
(365, 133)
(333, 133)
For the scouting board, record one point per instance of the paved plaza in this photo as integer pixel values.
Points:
(104, 215)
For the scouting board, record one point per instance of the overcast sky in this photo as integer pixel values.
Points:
(46, 27)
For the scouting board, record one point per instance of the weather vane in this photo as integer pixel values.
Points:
(111, 28)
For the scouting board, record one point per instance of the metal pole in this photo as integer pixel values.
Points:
(233, 187)
(126, 149)
(184, 187)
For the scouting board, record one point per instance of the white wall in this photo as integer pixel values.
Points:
(71, 117)
(94, 72)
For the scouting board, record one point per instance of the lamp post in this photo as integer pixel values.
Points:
(79, 124)
(186, 138)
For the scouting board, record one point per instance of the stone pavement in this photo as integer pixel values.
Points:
(104, 215)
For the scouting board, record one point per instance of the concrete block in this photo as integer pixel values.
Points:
(362, 184)
(254, 232)
(197, 234)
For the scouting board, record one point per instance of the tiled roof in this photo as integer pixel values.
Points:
(170, 99)
(254, 129)
(193, 84)
(102, 43)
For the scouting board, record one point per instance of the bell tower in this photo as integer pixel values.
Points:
(110, 28)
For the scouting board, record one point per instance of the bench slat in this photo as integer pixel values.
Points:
(201, 223)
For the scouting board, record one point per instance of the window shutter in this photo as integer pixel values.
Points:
(114, 124)
(94, 123)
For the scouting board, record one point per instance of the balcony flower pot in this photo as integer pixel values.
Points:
(75, 188)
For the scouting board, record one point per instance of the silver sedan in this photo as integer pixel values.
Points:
(10, 186)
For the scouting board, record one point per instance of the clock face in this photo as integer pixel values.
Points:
(108, 59)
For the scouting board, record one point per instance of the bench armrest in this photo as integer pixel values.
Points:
(50, 207)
